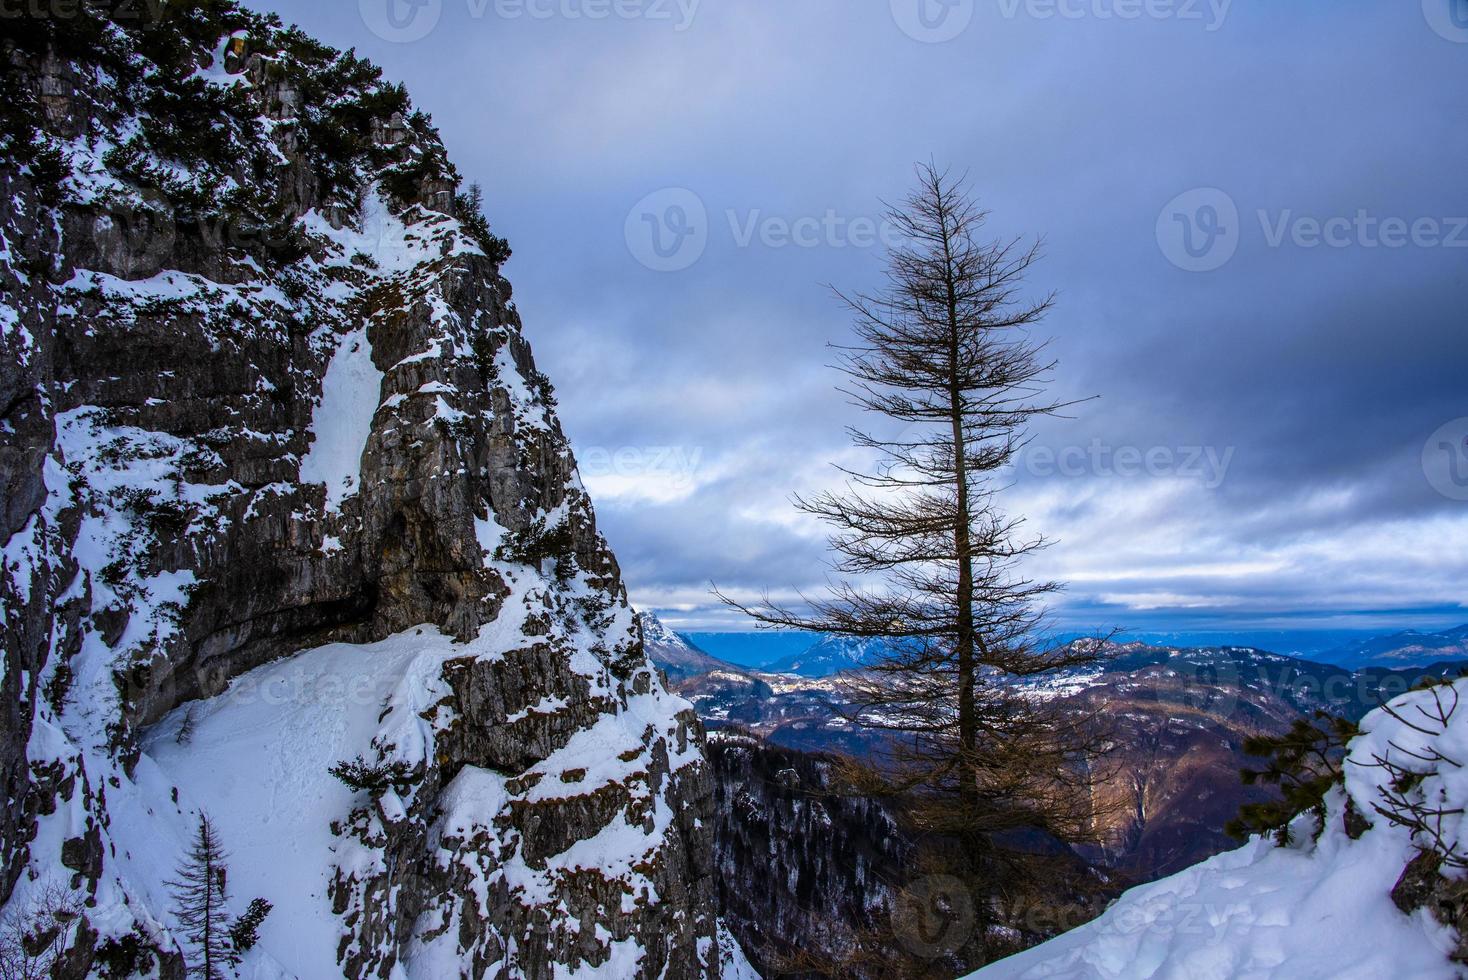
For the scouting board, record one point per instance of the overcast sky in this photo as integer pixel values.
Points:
(1255, 214)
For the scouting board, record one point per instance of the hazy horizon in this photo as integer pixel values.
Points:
(758, 648)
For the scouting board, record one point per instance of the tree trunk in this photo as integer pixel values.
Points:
(209, 920)
(968, 735)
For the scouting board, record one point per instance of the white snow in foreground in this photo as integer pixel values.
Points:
(342, 420)
(1312, 910)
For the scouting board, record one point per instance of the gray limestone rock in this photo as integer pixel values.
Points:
(263, 389)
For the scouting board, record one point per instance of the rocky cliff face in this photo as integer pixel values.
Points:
(264, 393)
(813, 882)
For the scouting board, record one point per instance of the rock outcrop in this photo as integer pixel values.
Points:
(264, 390)
(813, 881)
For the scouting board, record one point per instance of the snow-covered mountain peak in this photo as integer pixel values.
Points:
(832, 655)
(657, 633)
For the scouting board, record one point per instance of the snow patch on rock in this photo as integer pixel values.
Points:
(342, 420)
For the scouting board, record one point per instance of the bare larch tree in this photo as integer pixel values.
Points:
(929, 562)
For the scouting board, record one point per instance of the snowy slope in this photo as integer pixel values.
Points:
(255, 762)
(1320, 908)
(255, 765)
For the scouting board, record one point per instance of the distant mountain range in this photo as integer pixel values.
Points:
(830, 656)
(810, 655)
(1399, 650)
(752, 648)
(805, 655)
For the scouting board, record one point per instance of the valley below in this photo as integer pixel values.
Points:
(831, 869)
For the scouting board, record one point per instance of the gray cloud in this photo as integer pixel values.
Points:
(1324, 369)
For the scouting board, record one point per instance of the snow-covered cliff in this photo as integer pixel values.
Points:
(281, 487)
